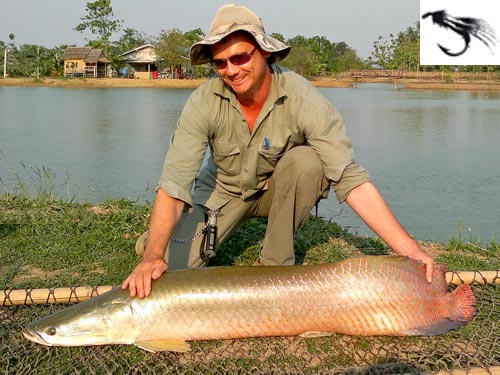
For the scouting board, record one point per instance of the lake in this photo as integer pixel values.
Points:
(433, 154)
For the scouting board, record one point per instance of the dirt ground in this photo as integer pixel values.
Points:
(475, 85)
(343, 82)
(340, 82)
(103, 82)
(150, 83)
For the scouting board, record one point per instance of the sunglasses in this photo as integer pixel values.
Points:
(239, 59)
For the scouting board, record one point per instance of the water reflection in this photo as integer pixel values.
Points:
(433, 154)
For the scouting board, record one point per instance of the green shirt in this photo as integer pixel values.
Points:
(240, 162)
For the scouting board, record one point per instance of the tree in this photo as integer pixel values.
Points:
(9, 60)
(400, 52)
(173, 48)
(342, 58)
(3, 55)
(321, 47)
(55, 66)
(303, 61)
(317, 55)
(101, 22)
(130, 39)
(279, 37)
(382, 52)
(406, 49)
(302, 58)
(193, 36)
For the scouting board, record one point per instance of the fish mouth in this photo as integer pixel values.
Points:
(34, 337)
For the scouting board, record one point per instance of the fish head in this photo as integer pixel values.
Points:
(94, 322)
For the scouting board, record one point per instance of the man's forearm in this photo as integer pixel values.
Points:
(164, 217)
(369, 204)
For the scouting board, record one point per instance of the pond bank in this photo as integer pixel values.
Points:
(139, 83)
(454, 85)
(340, 82)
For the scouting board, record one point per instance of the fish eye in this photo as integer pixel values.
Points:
(51, 331)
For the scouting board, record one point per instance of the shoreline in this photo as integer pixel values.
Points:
(340, 82)
(102, 83)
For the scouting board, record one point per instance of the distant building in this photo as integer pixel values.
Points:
(140, 62)
(143, 62)
(85, 61)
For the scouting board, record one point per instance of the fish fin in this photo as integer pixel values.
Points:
(462, 308)
(315, 334)
(164, 345)
(463, 303)
(437, 328)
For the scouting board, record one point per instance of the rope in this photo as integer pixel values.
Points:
(11, 297)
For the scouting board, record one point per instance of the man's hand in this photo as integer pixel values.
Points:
(165, 215)
(425, 258)
(139, 282)
(369, 204)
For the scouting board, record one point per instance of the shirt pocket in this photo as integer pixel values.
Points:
(227, 157)
(268, 159)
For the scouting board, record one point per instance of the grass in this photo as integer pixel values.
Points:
(48, 242)
(45, 241)
(52, 243)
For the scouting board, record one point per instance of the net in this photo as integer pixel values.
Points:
(476, 345)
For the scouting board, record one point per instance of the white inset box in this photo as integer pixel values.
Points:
(459, 32)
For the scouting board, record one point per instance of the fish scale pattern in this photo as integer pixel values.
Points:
(388, 298)
(357, 296)
(255, 305)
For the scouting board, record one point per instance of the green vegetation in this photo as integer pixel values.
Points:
(48, 242)
(400, 52)
(45, 241)
(310, 56)
(101, 22)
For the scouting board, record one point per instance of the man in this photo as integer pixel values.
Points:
(276, 145)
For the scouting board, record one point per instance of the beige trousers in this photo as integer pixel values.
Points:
(294, 188)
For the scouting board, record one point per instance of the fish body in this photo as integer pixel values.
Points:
(372, 295)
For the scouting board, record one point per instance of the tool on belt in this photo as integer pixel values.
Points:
(209, 232)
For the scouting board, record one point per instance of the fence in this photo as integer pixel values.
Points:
(486, 76)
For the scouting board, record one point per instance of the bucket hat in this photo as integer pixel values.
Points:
(229, 19)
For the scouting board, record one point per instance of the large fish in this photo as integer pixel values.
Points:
(374, 295)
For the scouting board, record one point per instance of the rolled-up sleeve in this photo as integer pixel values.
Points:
(352, 176)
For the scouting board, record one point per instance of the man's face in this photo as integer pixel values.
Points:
(246, 79)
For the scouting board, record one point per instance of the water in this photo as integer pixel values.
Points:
(106, 143)
(432, 154)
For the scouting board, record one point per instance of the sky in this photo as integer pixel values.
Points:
(358, 23)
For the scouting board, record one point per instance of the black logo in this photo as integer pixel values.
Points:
(466, 27)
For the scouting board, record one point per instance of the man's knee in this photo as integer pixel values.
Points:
(140, 244)
(300, 162)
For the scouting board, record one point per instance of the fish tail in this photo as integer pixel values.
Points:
(463, 303)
